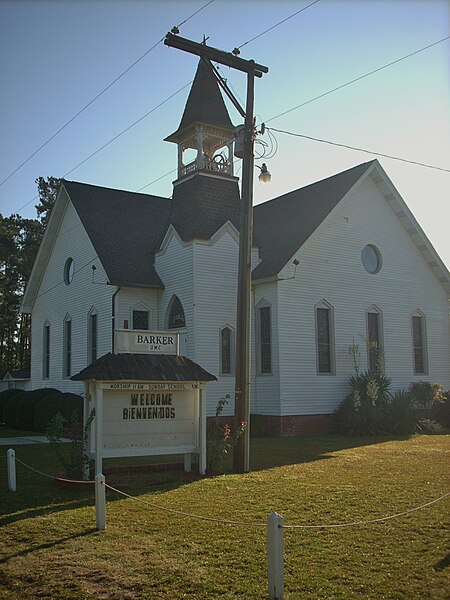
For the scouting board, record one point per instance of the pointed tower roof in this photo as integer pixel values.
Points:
(204, 104)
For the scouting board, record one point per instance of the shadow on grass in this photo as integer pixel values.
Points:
(47, 545)
(269, 453)
(38, 495)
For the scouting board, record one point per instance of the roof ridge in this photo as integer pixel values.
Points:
(102, 187)
(317, 182)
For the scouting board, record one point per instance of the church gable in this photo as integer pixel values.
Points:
(285, 225)
(125, 228)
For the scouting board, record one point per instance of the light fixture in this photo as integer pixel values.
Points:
(264, 176)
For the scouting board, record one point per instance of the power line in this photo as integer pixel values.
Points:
(96, 98)
(115, 138)
(339, 87)
(285, 112)
(277, 24)
(405, 160)
(127, 129)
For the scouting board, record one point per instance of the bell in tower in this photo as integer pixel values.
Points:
(205, 135)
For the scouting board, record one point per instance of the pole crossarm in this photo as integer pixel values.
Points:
(210, 53)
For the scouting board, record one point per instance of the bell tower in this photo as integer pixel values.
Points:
(205, 193)
(205, 136)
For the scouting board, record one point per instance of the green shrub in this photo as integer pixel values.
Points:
(220, 439)
(25, 411)
(26, 405)
(440, 411)
(402, 416)
(10, 410)
(365, 410)
(64, 403)
(425, 393)
(73, 457)
(5, 396)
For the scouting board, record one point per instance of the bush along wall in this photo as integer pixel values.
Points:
(371, 409)
(64, 403)
(26, 406)
(10, 410)
(5, 396)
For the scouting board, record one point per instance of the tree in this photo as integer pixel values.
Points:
(19, 243)
(48, 190)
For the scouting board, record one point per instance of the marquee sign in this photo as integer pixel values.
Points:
(145, 342)
(146, 420)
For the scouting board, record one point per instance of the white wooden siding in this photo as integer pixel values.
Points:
(129, 299)
(55, 300)
(266, 386)
(330, 268)
(215, 297)
(174, 265)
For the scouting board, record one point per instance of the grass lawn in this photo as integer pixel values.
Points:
(49, 547)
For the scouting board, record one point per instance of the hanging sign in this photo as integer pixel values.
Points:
(134, 341)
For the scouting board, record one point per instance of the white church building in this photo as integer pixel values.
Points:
(338, 263)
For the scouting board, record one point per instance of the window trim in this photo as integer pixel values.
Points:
(419, 314)
(324, 305)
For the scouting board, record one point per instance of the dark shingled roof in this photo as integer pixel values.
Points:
(282, 225)
(143, 367)
(23, 373)
(125, 229)
(202, 204)
(205, 102)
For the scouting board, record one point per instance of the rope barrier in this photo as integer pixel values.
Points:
(335, 525)
(248, 524)
(53, 476)
(185, 514)
(240, 523)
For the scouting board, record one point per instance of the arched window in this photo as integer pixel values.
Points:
(419, 337)
(375, 355)
(67, 346)
(46, 351)
(176, 318)
(264, 337)
(325, 338)
(226, 351)
(92, 336)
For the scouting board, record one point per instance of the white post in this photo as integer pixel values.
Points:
(85, 434)
(11, 461)
(98, 429)
(275, 556)
(100, 502)
(202, 432)
(187, 462)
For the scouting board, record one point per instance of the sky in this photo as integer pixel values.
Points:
(58, 56)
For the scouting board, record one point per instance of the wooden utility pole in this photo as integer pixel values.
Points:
(243, 322)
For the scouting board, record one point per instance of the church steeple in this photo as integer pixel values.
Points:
(205, 135)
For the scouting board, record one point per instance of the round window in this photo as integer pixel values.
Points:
(371, 259)
(69, 271)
